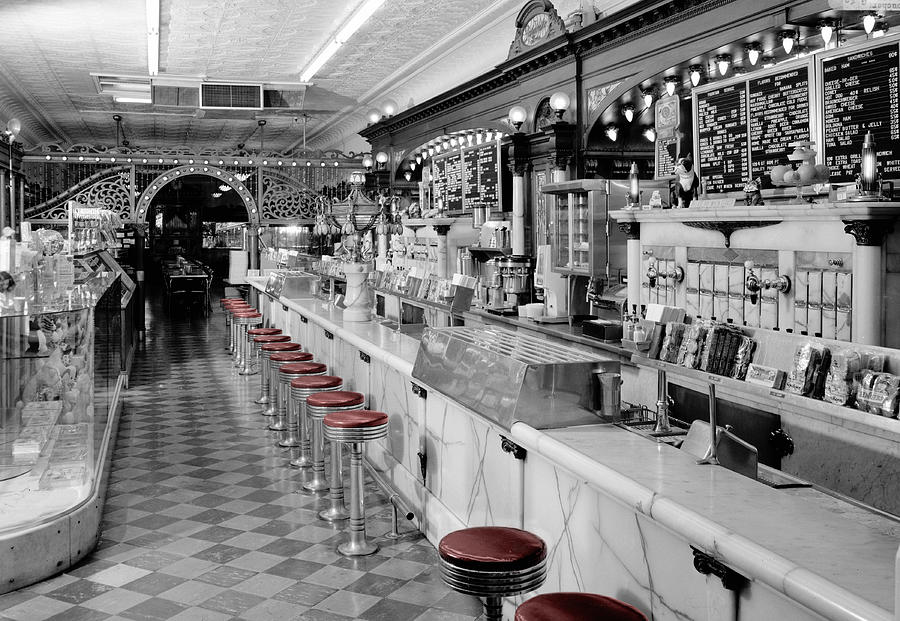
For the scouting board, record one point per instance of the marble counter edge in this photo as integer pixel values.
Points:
(746, 557)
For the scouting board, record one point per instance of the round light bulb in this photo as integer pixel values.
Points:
(787, 41)
(753, 55)
(628, 111)
(381, 157)
(671, 83)
(722, 65)
(374, 115)
(696, 74)
(368, 162)
(517, 115)
(13, 126)
(389, 107)
(827, 33)
(612, 132)
(650, 134)
(869, 22)
(648, 98)
(560, 101)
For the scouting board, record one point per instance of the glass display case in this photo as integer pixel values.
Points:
(61, 377)
(578, 226)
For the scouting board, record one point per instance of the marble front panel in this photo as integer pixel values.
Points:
(391, 392)
(467, 471)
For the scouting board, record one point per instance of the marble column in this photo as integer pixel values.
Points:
(21, 200)
(518, 165)
(868, 270)
(632, 232)
(253, 246)
(12, 202)
(443, 269)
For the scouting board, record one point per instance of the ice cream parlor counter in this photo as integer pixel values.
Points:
(623, 514)
(62, 375)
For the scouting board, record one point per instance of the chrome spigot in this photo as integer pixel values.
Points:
(662, 404)
(754, 285)
(675, 273)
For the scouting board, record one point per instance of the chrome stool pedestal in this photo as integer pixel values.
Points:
(356, 428)
(263, 364)
(317, 407)
(301, 388)
(288, 372)
(244, 321)
(269, 387)
(276, 361)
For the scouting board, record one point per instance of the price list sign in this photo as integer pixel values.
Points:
(722, 137)
(489, 175)
(439, 175)
(779, 115)
(471, 194)
(862, 93)
(665, 165)
(454, 183)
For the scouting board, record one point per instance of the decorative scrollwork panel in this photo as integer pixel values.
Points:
(285, 198)
(108, 189)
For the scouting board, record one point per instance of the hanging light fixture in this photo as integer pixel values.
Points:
(753, 51)
(368, 162)
(612, 132)
(381, 158)
(650, 134)
(723, 62)
(696, 74)
(869, 22)
(628, 111)
(788, 38)
(559, 102)
(826, 28)
(671, 83)
(647, 94)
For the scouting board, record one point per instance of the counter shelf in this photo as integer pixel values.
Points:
(62, 375)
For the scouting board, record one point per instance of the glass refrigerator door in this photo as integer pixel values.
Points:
(581, 232)
(561, 228)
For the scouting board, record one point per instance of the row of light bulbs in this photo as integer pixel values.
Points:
(144, 160)
(828, 28)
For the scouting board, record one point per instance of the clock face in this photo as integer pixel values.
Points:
(536, 29)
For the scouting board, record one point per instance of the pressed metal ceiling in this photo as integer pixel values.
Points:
(409, 51)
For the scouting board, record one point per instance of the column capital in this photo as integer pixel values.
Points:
(561, 144)
(632, 230)
(442, 229)
(868, 232)
(518, 151)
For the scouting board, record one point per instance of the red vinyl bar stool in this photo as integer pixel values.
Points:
(493, 562)
(276, 361)
(576, 607)
(355, 428)
(266, 352)
(244, 321)
(317, 406)
(288, 372)
(254, 346)
(301, 388)
(263, 362)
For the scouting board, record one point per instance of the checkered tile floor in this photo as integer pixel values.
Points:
(203, 521)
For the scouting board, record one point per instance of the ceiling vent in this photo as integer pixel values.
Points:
(231, 95)
(283, 98)
(182, 96)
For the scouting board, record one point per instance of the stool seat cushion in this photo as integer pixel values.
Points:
(264, 331)
(314, 382)
(247, 315)
(272, 338)
(492, 548)
(281, 347)
(335, 399)
(291, 356)
(240, 309)
(235, 305)
(303, 368)
(355, 419)
(576, 606)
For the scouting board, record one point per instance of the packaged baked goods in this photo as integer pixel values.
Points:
(742, 359)
(672, 341)
(843, 376)
(877, 393)
(801, 378)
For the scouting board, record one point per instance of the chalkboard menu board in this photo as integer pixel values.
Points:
(861, 93)
(779, 115)
(744, 127)
(722, 132)
(467, 177)
(665, 165)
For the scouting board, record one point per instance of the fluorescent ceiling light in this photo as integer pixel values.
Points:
(153, 37)
(343, 35)
(132, 99)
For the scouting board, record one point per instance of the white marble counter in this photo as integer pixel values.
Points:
(840, 568)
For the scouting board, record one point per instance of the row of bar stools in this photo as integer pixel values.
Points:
(263, 363)
(267, 350)
(287, 373)
(493, 562)
(245, 320)
(355, 428)
(576, 607)
(276, 361)
(254, 346)
(301, 388)
(317, 407)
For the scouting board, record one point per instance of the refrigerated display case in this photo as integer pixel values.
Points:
(578, 226)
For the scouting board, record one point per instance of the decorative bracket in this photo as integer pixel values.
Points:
(707, 564)
(868, 232)
(365, 357)
(419, 391)
(509, 446)
(329, 335)
(632, 230)
(303, 319)
(728, 227)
